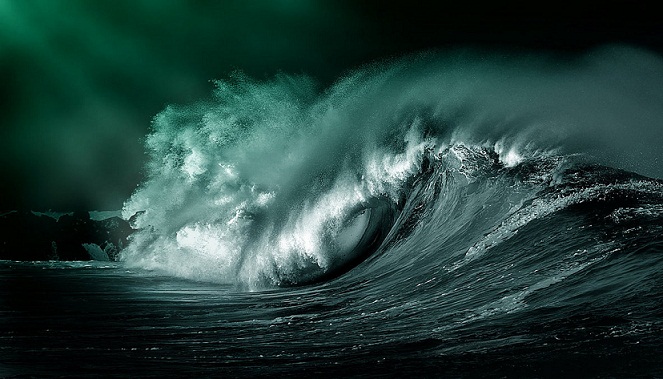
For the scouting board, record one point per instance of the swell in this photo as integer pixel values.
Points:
(502, 255)
(433, 160)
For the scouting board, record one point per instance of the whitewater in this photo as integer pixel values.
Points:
(271, 183)
(459, 213)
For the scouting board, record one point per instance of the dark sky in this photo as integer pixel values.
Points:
(82, 79)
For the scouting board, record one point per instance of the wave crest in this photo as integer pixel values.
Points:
(272, 183)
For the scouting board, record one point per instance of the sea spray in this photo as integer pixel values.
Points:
(259, 185)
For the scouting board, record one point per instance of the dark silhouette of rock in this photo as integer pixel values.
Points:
(25, 236)
(72, 231)
(132, 219)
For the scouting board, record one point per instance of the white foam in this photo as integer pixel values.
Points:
(256, 184)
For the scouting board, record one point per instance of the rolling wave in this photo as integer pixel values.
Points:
(484, 180)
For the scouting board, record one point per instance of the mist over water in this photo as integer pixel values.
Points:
(277, 182)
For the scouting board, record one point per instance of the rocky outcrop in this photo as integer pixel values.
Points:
(25, 236)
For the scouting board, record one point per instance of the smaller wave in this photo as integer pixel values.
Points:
(543, 206)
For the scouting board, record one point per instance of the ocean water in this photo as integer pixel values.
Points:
(438, 215)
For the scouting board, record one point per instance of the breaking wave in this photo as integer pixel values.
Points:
(423, 168)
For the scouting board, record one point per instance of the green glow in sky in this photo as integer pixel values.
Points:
(82, 79)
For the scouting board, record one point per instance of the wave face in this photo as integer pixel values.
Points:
(466, 183)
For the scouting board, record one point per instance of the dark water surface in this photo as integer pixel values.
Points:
(596, 314)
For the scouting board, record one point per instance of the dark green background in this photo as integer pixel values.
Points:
(81, 79)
